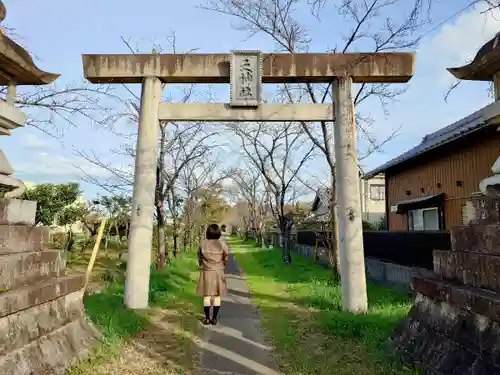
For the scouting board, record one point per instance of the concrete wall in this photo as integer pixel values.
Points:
(77, 227)
(389, 274)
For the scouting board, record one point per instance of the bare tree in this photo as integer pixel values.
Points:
(200, 175)
(186, 144)
(254, 195)
(179, 145)
(52, 107)
(278, 152)
(491, 4)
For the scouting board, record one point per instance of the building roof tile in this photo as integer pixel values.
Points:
(455, 131)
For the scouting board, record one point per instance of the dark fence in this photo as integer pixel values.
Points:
(413, 249)
(309, 238)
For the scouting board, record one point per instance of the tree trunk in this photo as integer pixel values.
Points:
(333, 234)
(161, 255)
(117, 235)
(92, 234)
(70, 241)
(176, 248)
(175, 237)
(106, 244)
(185, 240)
(286, 246)
(191, 237)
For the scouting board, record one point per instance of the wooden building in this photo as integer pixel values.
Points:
(427, 187)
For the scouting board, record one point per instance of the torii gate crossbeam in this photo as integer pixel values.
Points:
(342, 70)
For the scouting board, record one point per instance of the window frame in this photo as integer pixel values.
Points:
(379, 186)
(410, 216)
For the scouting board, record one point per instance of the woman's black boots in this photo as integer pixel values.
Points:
(206, 309)
(215, 313)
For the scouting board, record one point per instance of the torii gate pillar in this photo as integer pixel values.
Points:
(352, 260)
(141, 221)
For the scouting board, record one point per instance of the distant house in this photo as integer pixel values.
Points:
(428, 186)
(372, 196)
(320, 206)
(77, 227)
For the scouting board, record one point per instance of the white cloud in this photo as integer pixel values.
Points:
(32, 142)
(458, 41)
(48, 166)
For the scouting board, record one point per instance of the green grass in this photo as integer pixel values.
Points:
(173, 291)
(302, 314)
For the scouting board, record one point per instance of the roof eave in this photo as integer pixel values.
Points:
(453, 139)
(480, 69)
(17, 66)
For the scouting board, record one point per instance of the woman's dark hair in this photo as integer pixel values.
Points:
(213, 232)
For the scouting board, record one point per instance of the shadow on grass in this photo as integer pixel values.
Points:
(310, 287)
(107, 309)
(345, 349)
(172, 293)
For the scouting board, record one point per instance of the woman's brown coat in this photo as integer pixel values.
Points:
(212, 258)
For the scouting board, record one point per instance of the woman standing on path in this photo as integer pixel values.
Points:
(212, 258)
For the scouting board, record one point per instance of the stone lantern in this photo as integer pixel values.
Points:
(42, 321)
(485, 67)
(16, 68)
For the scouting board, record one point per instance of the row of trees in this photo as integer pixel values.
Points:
(62, 205)
(188, 184)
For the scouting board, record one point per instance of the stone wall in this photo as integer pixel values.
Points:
(453, 326)
(389, 274)
(43, 328)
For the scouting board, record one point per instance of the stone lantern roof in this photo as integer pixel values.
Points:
(485, 64)
(16, 68)
(16, 65)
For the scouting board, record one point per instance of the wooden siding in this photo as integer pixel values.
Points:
(469, 162)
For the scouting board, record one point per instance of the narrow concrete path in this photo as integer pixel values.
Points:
(236, 345)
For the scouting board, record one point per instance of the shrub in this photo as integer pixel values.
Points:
(368, 226)
(382, 223)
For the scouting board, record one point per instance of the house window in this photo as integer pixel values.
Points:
(424, 219)
(377, 192)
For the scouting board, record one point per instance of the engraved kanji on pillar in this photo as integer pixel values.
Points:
(246, 78)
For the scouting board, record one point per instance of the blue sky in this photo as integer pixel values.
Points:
(57, 32)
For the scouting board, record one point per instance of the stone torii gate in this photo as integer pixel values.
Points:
(246, 71)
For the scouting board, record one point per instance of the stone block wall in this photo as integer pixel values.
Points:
(385, 273)
(454, 324)
(43, 328)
